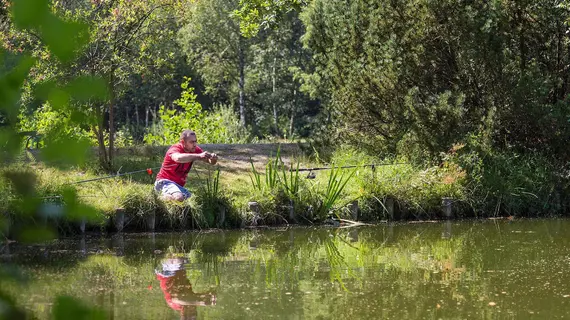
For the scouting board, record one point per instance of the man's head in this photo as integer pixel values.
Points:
(188, 140)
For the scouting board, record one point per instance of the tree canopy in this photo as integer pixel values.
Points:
(412, 78)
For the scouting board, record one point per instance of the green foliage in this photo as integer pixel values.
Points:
(277, 190)
(211, 40)
(273, 81)
(224, 126)
(335, 185)
(420, 76)
(10, 84)
(174, 121)
(282, 185)
(507, 183)
(220, 126)
(51, 124)
(256, 15)
(271, 174)
(214, 203)
(141, 202)
(292, 182)
(55, 32)
(63, 38)
(70, 308)
(416, 191)
(277, 177)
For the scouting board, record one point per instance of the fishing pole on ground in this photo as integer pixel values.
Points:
(149, 171)
(312, 175)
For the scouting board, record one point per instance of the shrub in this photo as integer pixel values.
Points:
(219, 126)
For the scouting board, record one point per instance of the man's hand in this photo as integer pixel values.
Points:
(205, 155)
(211, 158)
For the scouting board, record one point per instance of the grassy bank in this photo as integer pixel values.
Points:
(273, 191)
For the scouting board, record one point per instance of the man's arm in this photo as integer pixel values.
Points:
(210, 158)
(189, 157)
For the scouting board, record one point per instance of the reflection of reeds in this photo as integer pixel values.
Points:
(336, 261)
(211, 265)
(291, 260)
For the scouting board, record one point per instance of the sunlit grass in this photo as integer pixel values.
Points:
(417, 192)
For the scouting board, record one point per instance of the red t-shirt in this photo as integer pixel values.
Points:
(172, 170)
(169, 286)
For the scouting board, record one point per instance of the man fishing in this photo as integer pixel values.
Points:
(178, 161)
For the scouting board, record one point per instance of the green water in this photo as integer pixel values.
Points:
(445, 270)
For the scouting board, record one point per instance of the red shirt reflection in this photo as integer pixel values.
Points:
(178, 291)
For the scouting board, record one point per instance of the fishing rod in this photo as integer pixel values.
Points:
(150, 171)
(147, 170)
(372, 166)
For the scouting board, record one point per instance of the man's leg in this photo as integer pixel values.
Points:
(172, 191)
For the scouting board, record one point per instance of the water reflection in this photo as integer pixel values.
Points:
(178, 291)
(118, 243)
(449, 270)
(446, 234)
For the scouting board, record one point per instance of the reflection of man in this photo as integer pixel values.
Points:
(178, 290)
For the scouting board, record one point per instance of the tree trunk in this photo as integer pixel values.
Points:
(522, 42)
(241, 85)
(100, 133)
(111, 117)
(275, 119)
(154, 112)
(293, 109)
(560, 66)
(567, 64)
(147, 110)
(137, 120)
(127, 114)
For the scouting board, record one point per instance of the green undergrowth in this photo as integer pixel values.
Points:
(478, 184)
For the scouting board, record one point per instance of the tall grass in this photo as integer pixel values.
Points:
(215, 205)
(292, 182)
(271, 173)
(335, 185)
(505, 183)
(283, 185)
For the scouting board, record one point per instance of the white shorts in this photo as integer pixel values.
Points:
(168, 187)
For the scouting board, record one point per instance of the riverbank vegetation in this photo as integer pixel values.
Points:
(277, 193)
(472, 99)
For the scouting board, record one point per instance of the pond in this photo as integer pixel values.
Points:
(492, 269)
